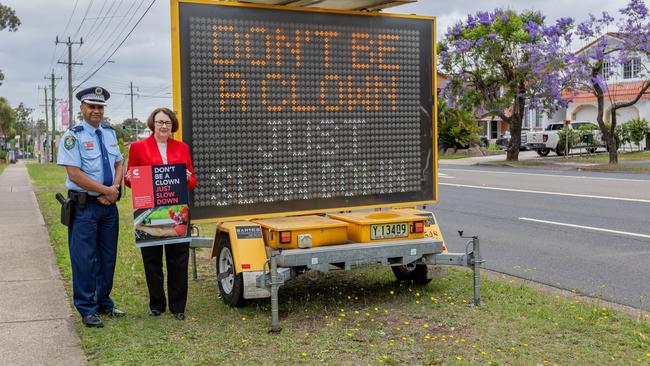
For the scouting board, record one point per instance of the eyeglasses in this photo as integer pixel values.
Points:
(163, 123)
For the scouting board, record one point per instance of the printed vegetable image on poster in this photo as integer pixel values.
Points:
(161, 213)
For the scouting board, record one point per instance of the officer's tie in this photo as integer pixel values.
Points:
(106, 166)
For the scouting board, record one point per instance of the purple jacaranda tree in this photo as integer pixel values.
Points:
(502, 61)
(594, 65)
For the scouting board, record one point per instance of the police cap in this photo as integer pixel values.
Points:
(93, 95)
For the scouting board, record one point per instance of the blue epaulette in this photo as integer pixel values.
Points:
(77, 128)
(107, 126)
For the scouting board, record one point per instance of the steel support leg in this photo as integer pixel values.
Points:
(275, 309)
(477, 270)
(194, 274)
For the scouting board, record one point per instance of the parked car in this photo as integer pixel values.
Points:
(545, 141)
(504, 140)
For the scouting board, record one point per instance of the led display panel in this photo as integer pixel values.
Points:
(293, 111)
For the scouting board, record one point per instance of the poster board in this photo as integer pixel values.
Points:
(161, 214)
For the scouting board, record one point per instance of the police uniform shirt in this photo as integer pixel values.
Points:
(80, 147)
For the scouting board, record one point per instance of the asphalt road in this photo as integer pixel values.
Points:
(582, 231)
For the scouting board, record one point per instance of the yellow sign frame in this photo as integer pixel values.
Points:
(177, 102)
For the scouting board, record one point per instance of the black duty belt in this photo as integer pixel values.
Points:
(82, 198)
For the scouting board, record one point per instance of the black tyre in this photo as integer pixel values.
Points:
(412, 273)
(231, 284)
(591, 150)
(543, 152)
(559, 152)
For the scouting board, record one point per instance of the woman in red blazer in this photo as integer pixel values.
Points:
(160, 149)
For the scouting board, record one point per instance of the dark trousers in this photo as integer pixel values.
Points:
(177, 256)
(92, 241)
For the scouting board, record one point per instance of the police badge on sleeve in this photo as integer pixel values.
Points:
(69, 142)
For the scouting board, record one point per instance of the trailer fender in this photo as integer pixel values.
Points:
(248, 250)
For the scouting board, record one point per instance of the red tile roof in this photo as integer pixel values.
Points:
(615, 92)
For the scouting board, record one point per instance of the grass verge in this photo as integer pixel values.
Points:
(361, 317)
(45, 175)
(2, 167)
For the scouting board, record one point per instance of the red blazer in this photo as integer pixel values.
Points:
(145, 152)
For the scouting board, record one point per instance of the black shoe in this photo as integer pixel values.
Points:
(113, 313)
(179, 316)
(154, 312)
(92, 321)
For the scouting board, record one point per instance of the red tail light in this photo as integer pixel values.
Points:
(245, 266)
(418, 227)
(285, 237)
(545, 137)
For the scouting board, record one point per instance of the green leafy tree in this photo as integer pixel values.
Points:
(621, 134)
(638, 127)
(502, 62)
(131, 128)
(7, 118)
(458, 127)
(22, 122)
(8, 19)
(567, 133)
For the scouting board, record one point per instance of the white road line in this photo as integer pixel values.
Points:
(544, 192)
(586, 227)
(550, 175)
(443, 175)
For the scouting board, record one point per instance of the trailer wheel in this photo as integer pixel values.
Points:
(592, 150)
(559, 152)
(543, 152)
(413, 273)
(231, 284)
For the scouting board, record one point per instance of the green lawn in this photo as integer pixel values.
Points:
(45, 175)
(604, 158)
(2, 167)
(352, 318)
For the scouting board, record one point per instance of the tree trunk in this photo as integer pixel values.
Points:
(613, 152)
(608, 136)
(515, 119)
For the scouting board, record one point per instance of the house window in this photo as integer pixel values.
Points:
(526, 122)
(632, 68)
(494, 129)
(605, 71)
(539, 116)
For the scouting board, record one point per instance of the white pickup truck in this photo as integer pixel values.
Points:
(545, 141)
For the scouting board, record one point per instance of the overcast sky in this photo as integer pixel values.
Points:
(29, 55)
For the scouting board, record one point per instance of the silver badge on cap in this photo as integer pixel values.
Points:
(99, 91)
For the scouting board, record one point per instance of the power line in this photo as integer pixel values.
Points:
(74, 8)
(83, 19)
(98, 44)
(92, 27)
(120, 45)
(95, 30)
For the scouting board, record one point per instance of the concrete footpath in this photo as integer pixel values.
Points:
(36, 326)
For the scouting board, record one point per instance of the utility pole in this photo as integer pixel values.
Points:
(53, 100)
(69, 43)
(45, 151)
(136, 125)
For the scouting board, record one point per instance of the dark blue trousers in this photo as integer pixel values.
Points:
(92, 240)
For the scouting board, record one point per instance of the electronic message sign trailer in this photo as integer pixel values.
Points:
(296, 117)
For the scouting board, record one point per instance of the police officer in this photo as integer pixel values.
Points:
(92, 158)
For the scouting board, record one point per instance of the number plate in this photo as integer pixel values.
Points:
(389, 231)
